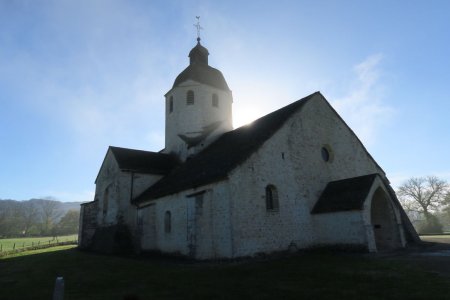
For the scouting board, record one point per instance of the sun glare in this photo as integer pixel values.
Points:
(244, 116)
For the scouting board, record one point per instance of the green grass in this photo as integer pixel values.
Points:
(304, 276)
(440, 236)
(8, 244)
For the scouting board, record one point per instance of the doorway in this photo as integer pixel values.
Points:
(384, 222)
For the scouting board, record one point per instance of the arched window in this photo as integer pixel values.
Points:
(171, 104)
(105, 200)
(327, 153)
(190, 98)
(271, 198)
(167, 222)
(215, 100)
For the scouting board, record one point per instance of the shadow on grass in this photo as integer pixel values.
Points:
(306, 276)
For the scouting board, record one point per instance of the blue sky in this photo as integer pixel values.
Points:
(78, 76)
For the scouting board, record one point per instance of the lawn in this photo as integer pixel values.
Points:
(31, 275)
(8, 244)
(441, 239)
(440, 236)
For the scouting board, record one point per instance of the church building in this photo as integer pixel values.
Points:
(296, 178)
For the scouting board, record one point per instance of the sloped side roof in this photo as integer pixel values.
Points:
(344, 195)
(143, 161)
(410, 232)
(222, 156)
(204, 74)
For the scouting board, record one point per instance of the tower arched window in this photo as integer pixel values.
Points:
(167, 222)
(171, 104)
(215, 100)
(190, 97)
(271, 198)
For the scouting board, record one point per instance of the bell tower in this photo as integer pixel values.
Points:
(198, 106)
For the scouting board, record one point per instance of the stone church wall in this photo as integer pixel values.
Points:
(230, 218)
(340, 228)
(256, 229)
(106, 191)
(200, 224)
(114, 191)
(88, 223)
(320, 125)
(291, 161)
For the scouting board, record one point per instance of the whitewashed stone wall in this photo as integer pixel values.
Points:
(117, 188)
(88, 223)
(190, 120)
(345, 228)
(200, 223)
(230, 218)
(291, 160)
(106, 191)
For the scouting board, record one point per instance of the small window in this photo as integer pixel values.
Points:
(190, 98)
(271, 198)
(327, 153)
(171, 104)
(105, 200)
(215, 100)
(167, 222)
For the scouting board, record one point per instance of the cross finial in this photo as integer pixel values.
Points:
(197, 25)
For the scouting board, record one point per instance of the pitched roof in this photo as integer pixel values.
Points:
(222, 156)
(344, 195)
(143, 161)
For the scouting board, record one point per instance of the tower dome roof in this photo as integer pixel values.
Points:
(199, 70)
(199, 54)
(202, 74)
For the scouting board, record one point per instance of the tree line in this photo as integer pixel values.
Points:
(426, 200)
(36, 217)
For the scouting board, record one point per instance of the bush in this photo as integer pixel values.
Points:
(430, 226)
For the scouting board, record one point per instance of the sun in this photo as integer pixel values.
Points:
(244, 116)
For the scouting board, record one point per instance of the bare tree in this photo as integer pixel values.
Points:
(49, 213)
(69, 223)
(9, 218)
(423, 195)
(447, 201)
(446, 211)
(29, 215)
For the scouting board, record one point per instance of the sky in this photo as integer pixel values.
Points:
(79, 75)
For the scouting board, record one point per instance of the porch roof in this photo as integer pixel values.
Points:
(344, 195)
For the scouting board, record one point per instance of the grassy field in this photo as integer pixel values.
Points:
(31, 275)
(441, 239)
(8, 244)
(440, 236)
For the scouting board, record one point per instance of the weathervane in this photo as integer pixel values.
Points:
(198, 28)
